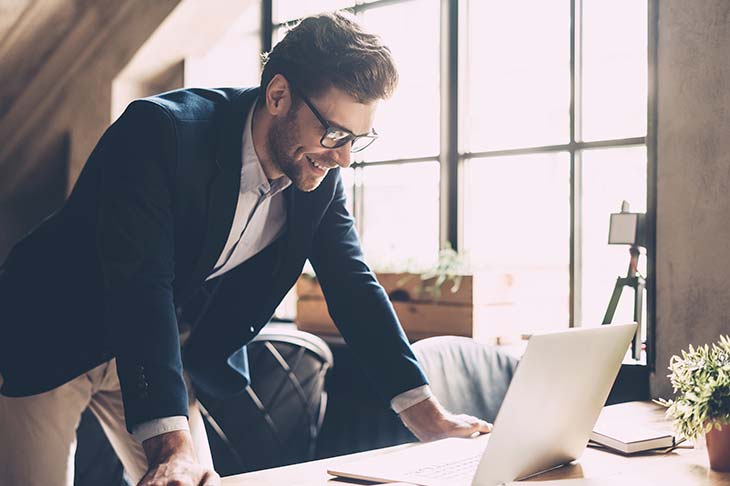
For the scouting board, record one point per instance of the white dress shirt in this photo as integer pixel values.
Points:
(260, 218)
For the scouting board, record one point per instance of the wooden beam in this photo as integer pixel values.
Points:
(10, 13)
(29, 42)
(93, 45)
(93, 29)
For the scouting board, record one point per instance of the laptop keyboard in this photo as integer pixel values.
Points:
(463, 469)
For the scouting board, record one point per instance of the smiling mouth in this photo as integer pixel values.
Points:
(317, 166)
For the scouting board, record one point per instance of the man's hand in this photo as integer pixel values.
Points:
(172, 462)
(428, 421)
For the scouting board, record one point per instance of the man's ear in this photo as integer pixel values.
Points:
(278, 96)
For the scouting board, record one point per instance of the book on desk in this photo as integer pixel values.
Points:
(634, 427)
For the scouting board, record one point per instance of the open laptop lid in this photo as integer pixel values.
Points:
(553, 401)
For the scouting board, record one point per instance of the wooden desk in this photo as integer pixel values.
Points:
(678, 468)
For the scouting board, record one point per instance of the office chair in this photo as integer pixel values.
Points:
(466, 376)
(277, 419)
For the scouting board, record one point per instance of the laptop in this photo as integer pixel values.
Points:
(547, 415)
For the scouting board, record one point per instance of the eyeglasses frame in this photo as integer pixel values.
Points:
(372, 135)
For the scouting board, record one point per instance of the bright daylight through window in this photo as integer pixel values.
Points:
(551, 139)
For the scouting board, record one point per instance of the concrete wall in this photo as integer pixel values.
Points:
(693, 192)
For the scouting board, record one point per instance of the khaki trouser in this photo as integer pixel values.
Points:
(38, 433)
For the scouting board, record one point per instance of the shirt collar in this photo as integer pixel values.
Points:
(253, 178)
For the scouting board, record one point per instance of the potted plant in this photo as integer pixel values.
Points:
(701, 381)
(450, 267)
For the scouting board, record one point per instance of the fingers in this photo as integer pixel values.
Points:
(168, 482)
(484, 427)
(189, 477)
(475, 426)
(210, 478)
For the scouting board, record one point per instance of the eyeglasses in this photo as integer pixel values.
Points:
(335, 137)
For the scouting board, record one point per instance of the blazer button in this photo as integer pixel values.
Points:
(252, 329)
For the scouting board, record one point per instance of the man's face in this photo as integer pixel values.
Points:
(294, 137)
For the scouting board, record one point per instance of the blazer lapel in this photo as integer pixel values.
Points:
(224, 188)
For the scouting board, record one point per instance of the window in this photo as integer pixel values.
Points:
(518, 158)
(400, 216)
(517, 75)
(517, 242)
(610, 175)
(614, 75)
(533, 148)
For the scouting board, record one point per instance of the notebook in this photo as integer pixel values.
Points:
(633, 427)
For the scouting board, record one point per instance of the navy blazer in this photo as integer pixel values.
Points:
(106, 275)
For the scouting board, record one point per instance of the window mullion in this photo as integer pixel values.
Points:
(449, 151)
(576, 195)
(358, 199)
(651, 203)
(267, 25)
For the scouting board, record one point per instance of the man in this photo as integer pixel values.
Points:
(220, 193)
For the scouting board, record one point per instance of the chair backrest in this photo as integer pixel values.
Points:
(466, 377)
(277, 419)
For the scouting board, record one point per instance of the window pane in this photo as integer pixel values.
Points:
(517, 237)
(614, 69)
(408, 122)
(609, 177)
(278, 34)
(401, 215)
(517, 74)
(286, 10)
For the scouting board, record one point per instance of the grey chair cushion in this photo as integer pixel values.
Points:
(466, 377)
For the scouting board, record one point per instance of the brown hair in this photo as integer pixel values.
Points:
(332, 50)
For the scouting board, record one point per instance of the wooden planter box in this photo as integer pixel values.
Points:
(420, 314)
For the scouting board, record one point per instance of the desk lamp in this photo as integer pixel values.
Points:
(627, 228)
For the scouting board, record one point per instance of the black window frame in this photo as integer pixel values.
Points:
(451, 160)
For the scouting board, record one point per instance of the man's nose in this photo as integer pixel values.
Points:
(343, 155)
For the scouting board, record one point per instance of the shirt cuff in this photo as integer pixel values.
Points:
(411, 397)
(152, 428)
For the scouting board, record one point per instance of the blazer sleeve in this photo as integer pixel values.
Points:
(359, 305)
(136, 248)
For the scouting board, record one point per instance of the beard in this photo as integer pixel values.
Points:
(282, 141)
